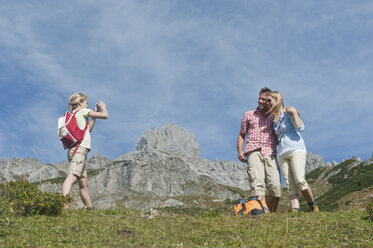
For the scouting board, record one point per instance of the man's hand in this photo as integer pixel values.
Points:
(242, 157)
(240, 143)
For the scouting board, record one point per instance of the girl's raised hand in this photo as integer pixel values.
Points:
(97, 108)
(102, 105)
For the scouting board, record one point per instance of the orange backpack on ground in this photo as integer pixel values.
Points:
(253, 206)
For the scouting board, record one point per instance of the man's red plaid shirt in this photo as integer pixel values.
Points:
(259, 133)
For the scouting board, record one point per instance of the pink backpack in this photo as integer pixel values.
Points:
(69, 132)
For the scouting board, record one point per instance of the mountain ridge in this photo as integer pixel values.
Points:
(165, 170)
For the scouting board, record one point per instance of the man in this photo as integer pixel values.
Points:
(260, 152)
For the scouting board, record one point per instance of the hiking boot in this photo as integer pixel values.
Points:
(65, 206)
(314, 208)
(91, 208)
(294, 210)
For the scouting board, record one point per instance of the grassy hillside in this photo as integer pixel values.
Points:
(188, 228)
(347, 185)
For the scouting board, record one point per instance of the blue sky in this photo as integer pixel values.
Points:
(199, 64)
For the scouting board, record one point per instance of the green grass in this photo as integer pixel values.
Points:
(359, 177)
(314, 174)
(343, 170)
(202, 228)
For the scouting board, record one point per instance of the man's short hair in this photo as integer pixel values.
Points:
(265, 90)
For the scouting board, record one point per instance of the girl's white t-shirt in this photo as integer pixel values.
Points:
(81, 119)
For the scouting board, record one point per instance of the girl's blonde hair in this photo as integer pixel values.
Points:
(75, 99)
(277, 105)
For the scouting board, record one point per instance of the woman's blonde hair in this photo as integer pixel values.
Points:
(277, 105)
(75, 99)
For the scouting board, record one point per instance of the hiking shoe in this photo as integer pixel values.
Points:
(314, 208)
(65, 206)
(91, 208)
(294, 210)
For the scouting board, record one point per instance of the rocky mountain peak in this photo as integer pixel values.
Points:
(313, 162)
(170, 138)
(165, 170)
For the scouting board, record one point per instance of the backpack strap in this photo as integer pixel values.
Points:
(76, 148)
(263, 207)
(85, 130)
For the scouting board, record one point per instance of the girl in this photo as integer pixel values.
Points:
(292, 150)
(78, 104)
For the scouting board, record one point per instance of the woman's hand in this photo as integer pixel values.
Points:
(97, 108)
(291, 110)
(100, 111)
(297, 121)
(100, 106)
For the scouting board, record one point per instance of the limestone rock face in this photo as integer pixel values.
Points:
(314, 162)
(171, 138)
(145, 179)
(96, 161)
(28, 169)
(370, 161)
(165, 170)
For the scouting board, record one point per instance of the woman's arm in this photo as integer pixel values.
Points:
(91, 124)
(101, 112)
(295, 118)
(92, 121)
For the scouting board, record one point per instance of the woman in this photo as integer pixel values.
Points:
(78, 105)
(292, 150)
